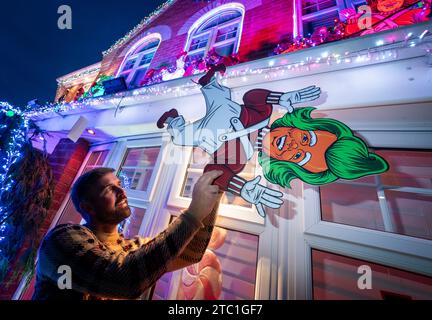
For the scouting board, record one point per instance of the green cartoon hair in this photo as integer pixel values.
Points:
(347, 158)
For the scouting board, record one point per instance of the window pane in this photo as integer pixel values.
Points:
(147, 58)
(335, 277)
(149, 45)
(226, 33)
(411, 213)
(191, 179)
(198, 43)
(69, 214)
(399, 200)
(220, 19)
(351, 204)
(221, 28)
(138, 166)
(326, 20)
(225, 50)
(129, 64)
(195, 169)
(311, 6)
(131, 226)
(92, 158)
(138, 77)
(102, 156)
(226, 272)
(408, 168)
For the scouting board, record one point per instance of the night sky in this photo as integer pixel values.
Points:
(34, 51)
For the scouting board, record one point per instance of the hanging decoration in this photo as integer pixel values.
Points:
(317, 151)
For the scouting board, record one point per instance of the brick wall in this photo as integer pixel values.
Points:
(264, 27)
(266, 23)
(65, 161)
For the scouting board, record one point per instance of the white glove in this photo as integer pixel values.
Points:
(292, 97)
(259, 195)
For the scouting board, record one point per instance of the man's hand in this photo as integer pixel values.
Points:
(306, 94)
(261, 196)
(205, 195)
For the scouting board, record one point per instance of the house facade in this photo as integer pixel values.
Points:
(323, 242)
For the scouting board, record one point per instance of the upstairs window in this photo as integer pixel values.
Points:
(137, 61)
(220, 30)
(322, 13)
(312, 6)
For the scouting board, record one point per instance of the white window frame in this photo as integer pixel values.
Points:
(136, 198)
(212, 32)
(130, 73)
(229, 216)
(264, 263)
(227, 210)
(390, 249)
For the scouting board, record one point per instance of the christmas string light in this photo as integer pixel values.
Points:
(380, 52)
(145, 22)
(10, 155)
(79, 75)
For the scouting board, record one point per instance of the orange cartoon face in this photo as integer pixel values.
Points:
(389, 5)
(306, 148)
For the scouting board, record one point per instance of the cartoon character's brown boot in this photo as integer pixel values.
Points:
(205, 79)
(169, 114)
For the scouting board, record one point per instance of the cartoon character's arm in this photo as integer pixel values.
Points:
(258, 102)
(229, 172)
(251, 191)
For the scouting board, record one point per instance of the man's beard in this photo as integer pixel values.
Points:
(123, 213)
(117, 216)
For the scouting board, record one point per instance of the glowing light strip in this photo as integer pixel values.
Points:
(378, 53)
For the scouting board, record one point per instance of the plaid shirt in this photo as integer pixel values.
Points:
(124, 271)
